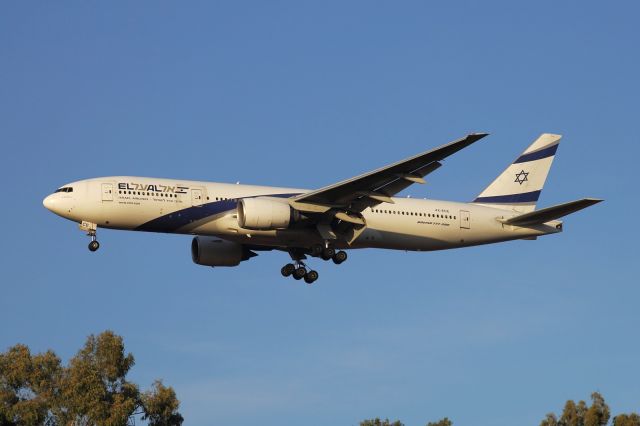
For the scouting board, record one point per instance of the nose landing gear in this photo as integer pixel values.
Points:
(94, 245)
(91, 229)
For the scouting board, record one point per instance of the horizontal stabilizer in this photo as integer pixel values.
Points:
(550, 213)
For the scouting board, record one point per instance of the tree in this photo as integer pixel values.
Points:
(580, 414)
(378, 422)
(161, 406)
(28, 385)
(550, 420)
(572, 414)
(598, 414)
(632, 419)
(91, 390)
(94, 388)
(443, 422)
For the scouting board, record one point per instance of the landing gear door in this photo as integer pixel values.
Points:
(196, 197)
(465, 219)
(107, 192)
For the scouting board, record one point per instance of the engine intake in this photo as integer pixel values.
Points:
(210, 251)
(264, 214)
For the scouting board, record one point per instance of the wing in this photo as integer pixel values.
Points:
(380, 185)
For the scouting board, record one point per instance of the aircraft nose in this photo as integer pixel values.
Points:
(49, 202)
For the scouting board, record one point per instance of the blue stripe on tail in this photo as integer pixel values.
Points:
(537, 155)
(525, 197)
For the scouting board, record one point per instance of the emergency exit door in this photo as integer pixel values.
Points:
(465, 219)
(196, 197)
(107, 192)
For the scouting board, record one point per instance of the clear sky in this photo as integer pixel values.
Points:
(304, 94)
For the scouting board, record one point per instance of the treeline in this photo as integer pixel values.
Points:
(91, 390)
(386, 422)
(573, 414)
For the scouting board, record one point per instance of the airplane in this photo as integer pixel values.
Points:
(231, 222)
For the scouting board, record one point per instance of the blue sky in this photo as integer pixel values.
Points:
(304, 94)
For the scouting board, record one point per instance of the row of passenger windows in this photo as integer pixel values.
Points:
(148, 194)
(65, 189)
(439, 216)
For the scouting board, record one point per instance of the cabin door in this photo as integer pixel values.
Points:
(196, 197)
(107, 192)
(465, 219)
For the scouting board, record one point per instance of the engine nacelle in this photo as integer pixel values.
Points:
(264, 214)
(211, 251)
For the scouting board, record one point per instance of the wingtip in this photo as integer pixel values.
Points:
(478, 135)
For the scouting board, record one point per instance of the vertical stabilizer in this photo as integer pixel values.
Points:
(519, 186)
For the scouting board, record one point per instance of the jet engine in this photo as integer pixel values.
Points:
(265, 214)
(210, 251)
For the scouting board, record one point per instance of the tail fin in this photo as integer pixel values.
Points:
(518, 187)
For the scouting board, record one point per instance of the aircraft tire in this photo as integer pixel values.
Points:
(94, 245)
(339, 257)
(299, 273)
(310, 277)
(328, 253)
(287, 269)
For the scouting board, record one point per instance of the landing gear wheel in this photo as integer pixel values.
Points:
(287, 269)
(310, 277)
(339, 257)
(94, 245)
(328, 253)
(299, 273)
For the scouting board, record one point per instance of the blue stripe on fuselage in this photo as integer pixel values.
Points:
(525, 197)
(537, 155)
(173, 221)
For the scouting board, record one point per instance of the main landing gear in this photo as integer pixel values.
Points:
(298, 269)
(91, 229)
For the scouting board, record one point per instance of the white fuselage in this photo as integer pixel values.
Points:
(206, 208)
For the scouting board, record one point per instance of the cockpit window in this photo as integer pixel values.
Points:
(65, 189)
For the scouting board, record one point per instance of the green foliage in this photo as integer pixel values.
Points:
(598, 414)
(91, 390)
(378, 422)
(95, 389)
(28, 385)
(550, 420)
(161, 406)
(632, 419)
(443, 422)
(573, 414)
(580, 414)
